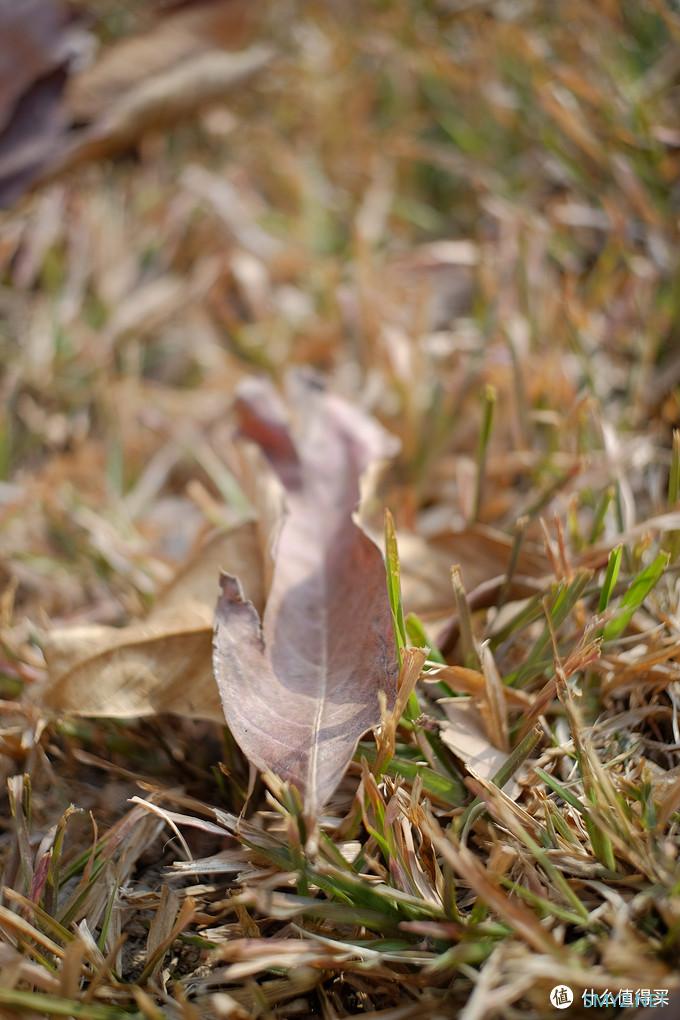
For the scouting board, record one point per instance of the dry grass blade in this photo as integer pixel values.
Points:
(412, 663)
(522, 921)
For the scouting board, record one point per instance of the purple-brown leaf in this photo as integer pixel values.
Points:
(36, 47)
(300, 687)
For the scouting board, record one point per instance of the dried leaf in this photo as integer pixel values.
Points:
(161, 101)
(50, 122)
(481, 552)
(463, 732)
(265, 495)
(237, 550)
(162, 664)
(301, 687)
(174, 37)
(33, 45)
(36, 45)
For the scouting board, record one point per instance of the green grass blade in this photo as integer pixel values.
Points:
(600, 514)
(445, 788)
(394, 582)
(611, 577)
(52, 1005)
(635, 596)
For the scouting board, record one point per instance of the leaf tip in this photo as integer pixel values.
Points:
(230, 588)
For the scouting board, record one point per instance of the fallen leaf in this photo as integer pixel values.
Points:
(54, 116)
(237, 550)
(161, 101)
(37, 44)
(31, 48)
(265, 494)
(481, 552)
(173, 37)
(163, 663)
(300, 687)
(463, 732)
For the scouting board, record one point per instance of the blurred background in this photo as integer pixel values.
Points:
(418, 200)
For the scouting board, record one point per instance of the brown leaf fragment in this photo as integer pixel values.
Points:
(262, 418)
(481, 552)
(464, 733)
(301, 687)
(31, 48)
(37, 44)
(237, 550)
(173, 37)
(162, 101)
(162, 663)
(249, 957)
(55, 115)
(144, 669)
